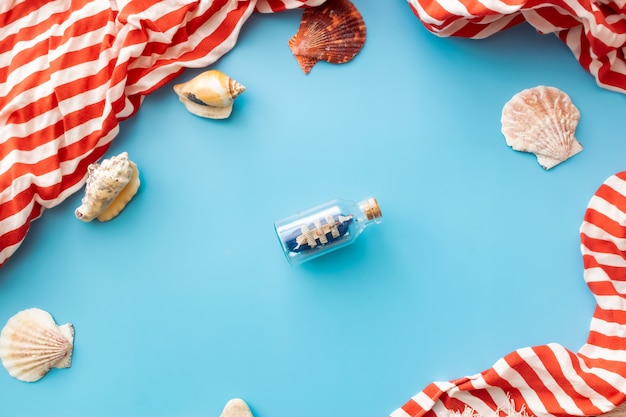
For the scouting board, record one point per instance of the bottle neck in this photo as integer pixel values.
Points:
(371, 211)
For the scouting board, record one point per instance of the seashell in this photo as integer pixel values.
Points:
(210, 94)
(110, 186)
(31, 344)
(542, 120)
(333, 32)
(236, 408)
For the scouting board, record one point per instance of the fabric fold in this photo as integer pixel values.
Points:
(550, 379)
(72, 70)
(594, 31)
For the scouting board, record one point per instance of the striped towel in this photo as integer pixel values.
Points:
(549, 379)
(595, 31)
(71, 70)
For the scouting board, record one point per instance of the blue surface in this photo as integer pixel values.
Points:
(185, 300)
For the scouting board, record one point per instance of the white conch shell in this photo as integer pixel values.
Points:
(236, 408)
(542, 120)
(31, 344)
(110, 186)
(210, 94)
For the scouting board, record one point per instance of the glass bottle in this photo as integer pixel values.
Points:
(325, 228)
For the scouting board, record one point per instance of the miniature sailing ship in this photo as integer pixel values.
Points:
(311, 235)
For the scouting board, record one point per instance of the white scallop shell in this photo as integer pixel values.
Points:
(210, 94)
(110, 185)
(236, 408)
(31, 344)
(542, 120)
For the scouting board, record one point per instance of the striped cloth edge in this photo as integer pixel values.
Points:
(550, 379)
(71, 70)
(595, 31)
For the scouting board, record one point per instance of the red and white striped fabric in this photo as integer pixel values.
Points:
(549, 379)
(595, 31)
(71, 70)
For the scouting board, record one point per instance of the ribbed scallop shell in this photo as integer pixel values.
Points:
(31, 344)
(210, 94)
(542, 120)
(333, 32)
(110, 185)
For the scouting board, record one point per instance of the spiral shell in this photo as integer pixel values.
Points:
(110, 186)
(542, 120)
(333, 32)
(210, 94)
(31, 344)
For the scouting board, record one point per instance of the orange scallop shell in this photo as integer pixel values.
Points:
(333, 32)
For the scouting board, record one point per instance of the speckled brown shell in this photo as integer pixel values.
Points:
(110, 185)
(333, 32)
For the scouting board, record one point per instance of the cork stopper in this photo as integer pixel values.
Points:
(371, 209)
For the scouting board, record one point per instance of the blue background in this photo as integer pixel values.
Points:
(185, 300)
